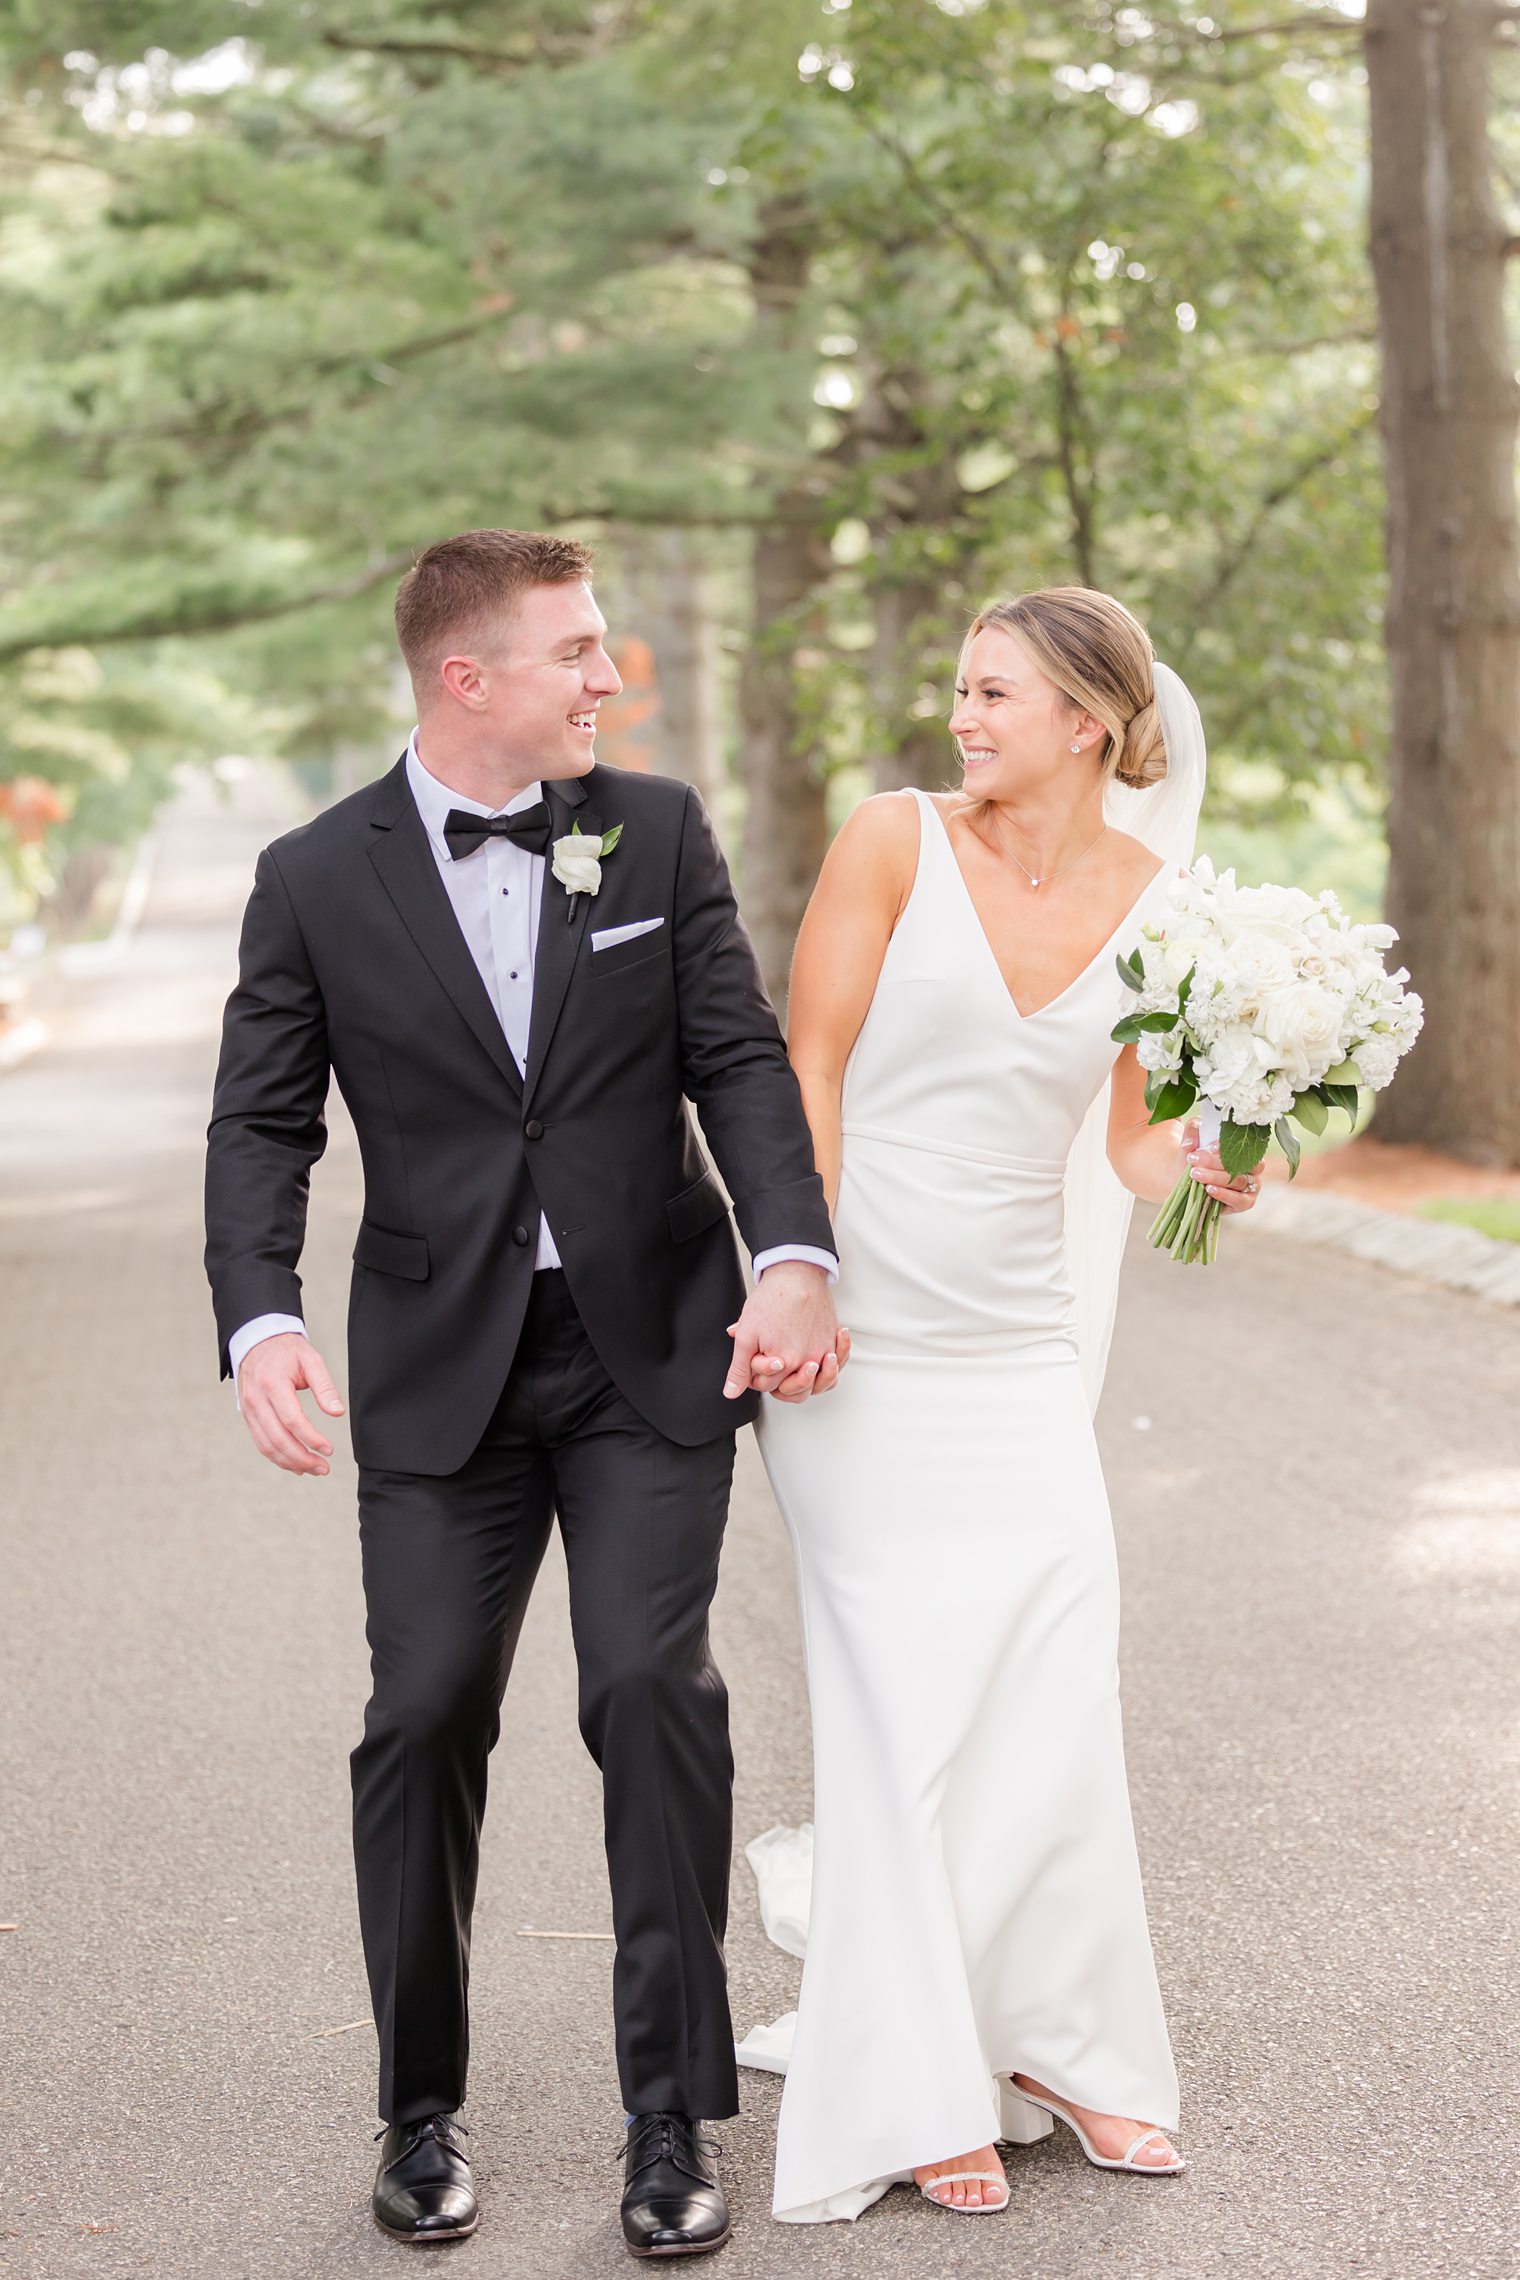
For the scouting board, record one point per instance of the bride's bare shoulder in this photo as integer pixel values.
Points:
(875, 850)
(882, 829)
(1139, 861)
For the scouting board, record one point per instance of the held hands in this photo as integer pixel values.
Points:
(787, 1342)
(1207, 1165)
(273, 1373)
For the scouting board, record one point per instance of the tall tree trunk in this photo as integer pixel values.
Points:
(1453, 624)
(684, 632)
(785, 820)
(912, 658)
(915, 624)
(785, 816)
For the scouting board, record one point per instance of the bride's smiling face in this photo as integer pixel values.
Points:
(1014, 728)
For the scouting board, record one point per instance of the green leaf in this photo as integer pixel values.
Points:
(1345, 1073)
(1183, 989)
(1128, 976)
(1312, 1112)
(1343, 1096)
(1288, 1141)
(610, 840)
(1137, 1025)
(1174, 1097)
(1242, 1146)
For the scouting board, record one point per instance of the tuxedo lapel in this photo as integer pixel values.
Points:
(559, 930)
(401, 855)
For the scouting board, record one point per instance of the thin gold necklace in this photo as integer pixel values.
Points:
(1036, 883)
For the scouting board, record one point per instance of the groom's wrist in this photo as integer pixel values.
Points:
(796, 1254)
(242, 1342)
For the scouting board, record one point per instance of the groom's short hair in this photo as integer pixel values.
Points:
(464, 589)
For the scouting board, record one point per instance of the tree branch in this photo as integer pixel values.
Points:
(1235, 557)
(253, 419)
(1010, 286)
(533, 50)
(224, 616)
(220, 616)
(1290, 27)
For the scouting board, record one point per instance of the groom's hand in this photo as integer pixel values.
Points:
(787, 1341)
(272, 1376)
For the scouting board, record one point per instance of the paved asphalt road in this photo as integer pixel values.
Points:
(1316, 1473)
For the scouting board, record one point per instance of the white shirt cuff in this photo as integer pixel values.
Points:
(253, 1334)
(803, 1251)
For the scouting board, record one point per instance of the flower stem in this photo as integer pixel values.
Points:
(1187, 1225)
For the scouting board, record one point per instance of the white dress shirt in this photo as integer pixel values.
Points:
(495, 893)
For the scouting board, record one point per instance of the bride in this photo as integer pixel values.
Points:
(978, 1958)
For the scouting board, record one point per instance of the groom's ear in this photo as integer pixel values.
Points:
(464, 679)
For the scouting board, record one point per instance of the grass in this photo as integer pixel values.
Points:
(1498, 1216)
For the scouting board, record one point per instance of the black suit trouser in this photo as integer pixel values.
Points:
(449, 1563)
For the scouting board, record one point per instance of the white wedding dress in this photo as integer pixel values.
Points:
(976, 1906)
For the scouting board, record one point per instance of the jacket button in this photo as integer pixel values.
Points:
(534, 1129)
(519, 1234)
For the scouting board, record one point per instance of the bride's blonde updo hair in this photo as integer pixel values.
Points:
(1100, 658)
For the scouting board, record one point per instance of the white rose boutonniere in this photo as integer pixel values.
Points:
(578, 860)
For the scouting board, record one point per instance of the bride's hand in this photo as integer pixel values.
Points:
(787, 1342)
(1207, 1165)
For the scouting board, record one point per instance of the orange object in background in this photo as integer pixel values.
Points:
(626, 735)
(31, 806)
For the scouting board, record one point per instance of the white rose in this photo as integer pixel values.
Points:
(1302, 1027)
(1259, 962)
(577, 862)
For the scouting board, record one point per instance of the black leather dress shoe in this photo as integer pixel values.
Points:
(423, 2190)
(673, 2204)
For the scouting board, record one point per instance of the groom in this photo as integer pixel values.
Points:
(520, 966)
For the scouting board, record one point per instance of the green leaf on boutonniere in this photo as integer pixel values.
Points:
(610, 840)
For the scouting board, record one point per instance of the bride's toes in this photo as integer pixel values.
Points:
(975, 2181)
(1157, 2153)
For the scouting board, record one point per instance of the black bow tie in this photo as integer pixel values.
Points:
(532, 828)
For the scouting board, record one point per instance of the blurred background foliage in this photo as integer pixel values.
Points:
(828, 319)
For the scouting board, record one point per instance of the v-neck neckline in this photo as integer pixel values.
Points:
(1035, 1012)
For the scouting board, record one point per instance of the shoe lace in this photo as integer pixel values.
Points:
(669, 2127)
(441, 2127)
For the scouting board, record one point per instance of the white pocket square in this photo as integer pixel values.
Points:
(608, 936)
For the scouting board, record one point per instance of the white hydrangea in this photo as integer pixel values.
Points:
(1284, 993)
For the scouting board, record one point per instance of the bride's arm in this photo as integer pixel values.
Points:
(866, 878)
(1148, 1158)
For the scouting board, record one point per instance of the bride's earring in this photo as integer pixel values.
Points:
(1076, 748)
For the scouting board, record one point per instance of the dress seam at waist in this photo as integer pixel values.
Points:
(934, 1147)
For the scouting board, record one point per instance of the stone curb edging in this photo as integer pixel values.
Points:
(1431, 1249)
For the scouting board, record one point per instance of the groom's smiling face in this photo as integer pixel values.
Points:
(537, 688)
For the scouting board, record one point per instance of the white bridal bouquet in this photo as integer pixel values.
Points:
(1254, 1005)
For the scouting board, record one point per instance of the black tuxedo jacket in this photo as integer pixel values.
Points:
(352, 964)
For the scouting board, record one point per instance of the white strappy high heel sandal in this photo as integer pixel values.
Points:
(1126, 2160)
(967, 2177)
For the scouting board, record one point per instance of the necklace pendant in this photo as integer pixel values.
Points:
(1034, 882)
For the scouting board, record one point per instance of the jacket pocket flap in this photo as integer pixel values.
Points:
(696, 1207)
(391, 1254)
